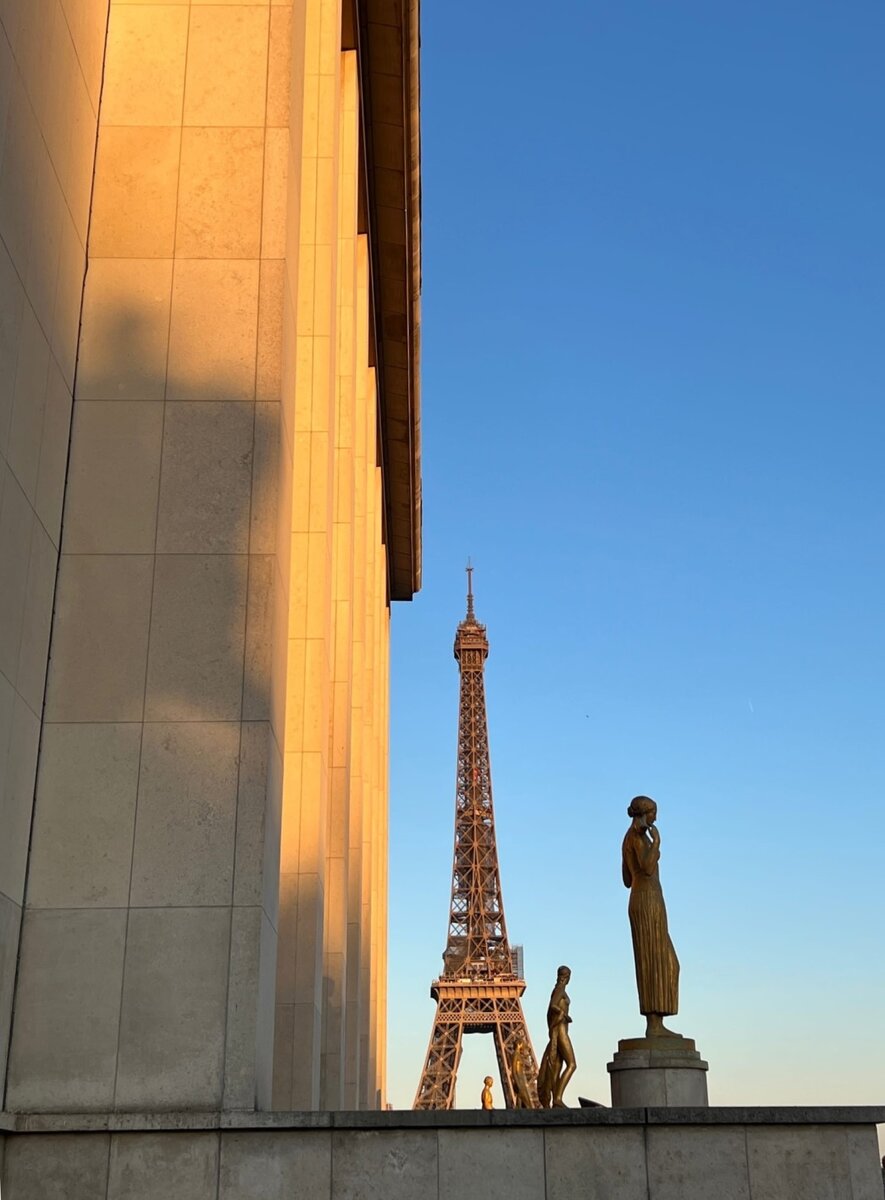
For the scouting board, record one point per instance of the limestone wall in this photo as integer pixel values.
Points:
(203, 878)
(148, 944)
(624, 1154)
(51, 54)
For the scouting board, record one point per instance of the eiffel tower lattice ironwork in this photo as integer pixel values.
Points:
(478, 991)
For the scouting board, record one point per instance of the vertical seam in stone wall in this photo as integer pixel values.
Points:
(147, 652)
(645, 1147)
(747, 1158)
(107, 1174)
(217, 1192)
(233, 874)
(544, 1158)
(18, 957)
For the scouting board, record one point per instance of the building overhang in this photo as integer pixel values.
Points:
(388, 40)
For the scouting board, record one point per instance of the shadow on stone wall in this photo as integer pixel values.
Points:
(137, 985)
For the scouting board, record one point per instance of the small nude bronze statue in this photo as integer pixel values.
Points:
(487, 1093)
(558, 1063)
(520, 1066)
(657, 967)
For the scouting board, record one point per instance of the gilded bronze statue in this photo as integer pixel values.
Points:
(558, 1063)
(520, 1065)
(487, 1093)
(657, 967)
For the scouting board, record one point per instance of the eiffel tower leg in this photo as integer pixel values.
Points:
(437, 1086)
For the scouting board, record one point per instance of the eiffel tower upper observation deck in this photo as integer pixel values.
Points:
(478, 991)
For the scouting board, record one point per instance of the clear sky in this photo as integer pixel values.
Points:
(654, 415)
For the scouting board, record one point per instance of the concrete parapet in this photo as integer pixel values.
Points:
(594, 1154)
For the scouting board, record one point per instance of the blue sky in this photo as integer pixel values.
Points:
(653, 381)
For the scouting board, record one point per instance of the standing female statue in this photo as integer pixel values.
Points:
(558, 1063)
(520, 1066)
(657, 967)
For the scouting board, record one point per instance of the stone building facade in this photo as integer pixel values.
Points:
(209, 496)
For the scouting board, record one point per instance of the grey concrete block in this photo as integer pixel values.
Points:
(33, 653)
(10, 925)
(16, 523)
(241, 1041)
(637, 1089)
(12, 301)
(800, 1114)
(195, 670)
(396, 1165)
(207, 478)
(26, 423)
(184, 829)
(659, 1087)
(64, 1038)
(278, 1165)
(267, 1121)
(799, 1163)
(100, 638)
(54, 451)
(68, 1166)
(284, 1054)
(259, 617)
(174, 1009)
(864, 1163)
(491, 1164)
(685, 1088)
(111, 505)
(251, 813)
(17, 798)
(267, 980)
(595, 1164)
(273, 822)
(81, 854)
(696, 1163)
(158, 1166)
(7, 709)
(263, 515)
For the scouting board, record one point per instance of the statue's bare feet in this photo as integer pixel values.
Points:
(655, 1027)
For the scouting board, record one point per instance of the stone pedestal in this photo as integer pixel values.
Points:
(658, 1072)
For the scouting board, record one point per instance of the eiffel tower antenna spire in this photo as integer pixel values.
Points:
(478, 991)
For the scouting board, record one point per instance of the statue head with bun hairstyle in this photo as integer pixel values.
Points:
(642, 807)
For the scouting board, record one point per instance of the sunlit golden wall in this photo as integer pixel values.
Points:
(205, 904)
(334, 617)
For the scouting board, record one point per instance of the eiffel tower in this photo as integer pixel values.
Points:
(478, 991)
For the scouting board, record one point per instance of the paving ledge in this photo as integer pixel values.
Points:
(136, 1122)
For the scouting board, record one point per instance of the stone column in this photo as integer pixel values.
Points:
(362, 533)
(340, 753)
(309, 393)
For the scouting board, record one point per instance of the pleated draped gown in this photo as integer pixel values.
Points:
(657, 967)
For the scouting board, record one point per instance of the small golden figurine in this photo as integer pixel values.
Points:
(519, 1064)
(487, 1093)
(558, 1063)
(657, 967)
